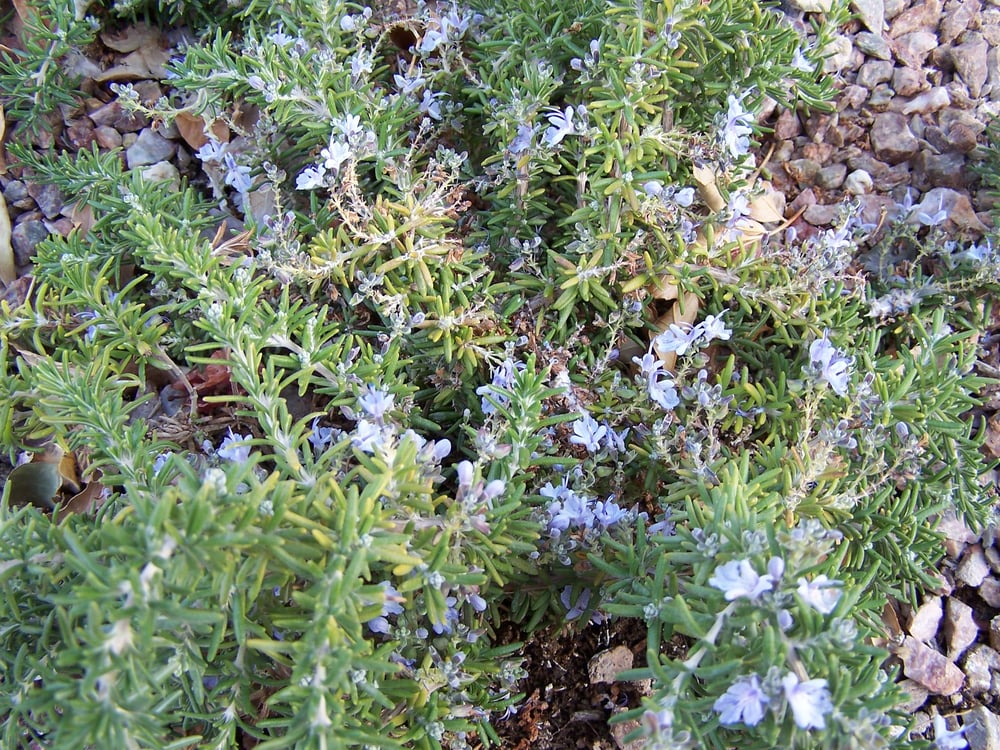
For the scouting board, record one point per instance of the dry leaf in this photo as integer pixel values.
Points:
(131, 39)
(147, 62)
(8, 269)
(769, 207)
(90, 496)
(192, 129)
(705, 179)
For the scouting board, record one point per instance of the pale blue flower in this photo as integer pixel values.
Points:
(737, 128)
(809, 701)
(822, 594)
(737, 579)
(522, 141)
(713, 327)
(367, 436)
(938, 217)
(829, 365)
(234, 448)
(577, 608)
(375, 403)
(561, 125)
(677, 338)
(744, 702)
(663, 392)
(320, 437)
(588, 433)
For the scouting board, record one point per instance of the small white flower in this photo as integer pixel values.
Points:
(946, 739)
(809, 701)
(367, 436)
(737, 579)
(120, 637)
(744, 702)
(588, 433)
(713, 327)
(335, 154)
(821, 593)
(311, 178)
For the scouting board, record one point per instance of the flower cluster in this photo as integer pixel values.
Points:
(827, 364)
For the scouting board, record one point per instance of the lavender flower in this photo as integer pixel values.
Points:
(829, 365)
(233, 447)
(663, 392)
(588, 433)
(821, 593)
(744, 702)
(562, 125)
(677, 339)
(809, 701)
(737, 579)
(390, 606)
(737, 128)
(376, 403)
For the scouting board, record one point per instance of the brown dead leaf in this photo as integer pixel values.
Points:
(91, 496)
(144, 63)
(82, 217)
(8, 268)
(192, 129)
(131, 39)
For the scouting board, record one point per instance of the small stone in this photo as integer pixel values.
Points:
(882, 97)
(149, 92)
(24, 237)
(945, 170)
(48, 197)
(995, 633)
(107, 137)
(787, 126)
(961, 138)
(859, 182)
(832, 177)
(979, 665)
(868, 163)
(982, 729)
(818, 152)
(851, 99)
(929, 101)
(969, 59)
(909, 81)
(925, 621)
(924, 16)
(917, 695)
(992, 558)
(163, 171)
(912, 49)
(874, 72)
(838, 54)
(891, 138)
(804, 199)
(958, 628)
(974, 567)
(894, 177)
(873, 45)
(956, 205)
(956, 18)
(871, 13)
(893, 8)
(956, 533)
(131, 122)
(106, 114)
(803, 171)
(989, 592)
(932, 670)
(149, 148)
(79, 134)
(621, 730)
(820, 215)
(606, 665)
(15, 191)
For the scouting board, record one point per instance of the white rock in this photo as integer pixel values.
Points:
(812, 6)
(859, 182)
